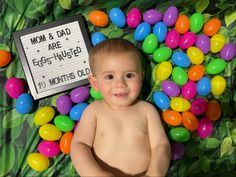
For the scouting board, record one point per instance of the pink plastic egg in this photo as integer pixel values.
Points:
(14, 87)
(170, 88)
(134, 17)
(177, 150)
(198, 106)
(170, 16)
(189, 90)
(203, 43)
(228, 52)
(205, 128)
(172, 39)
(80, 94)
(64, 104)
(152, 16)
(187, 40)
(49, 148)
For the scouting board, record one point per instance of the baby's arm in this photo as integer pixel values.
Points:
(82, 142)
(160, 147)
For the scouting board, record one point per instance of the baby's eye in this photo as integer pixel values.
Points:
(109, 77)
(129, 75)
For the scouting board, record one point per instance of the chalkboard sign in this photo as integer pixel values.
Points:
(54, 56)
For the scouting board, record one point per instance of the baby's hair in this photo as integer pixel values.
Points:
(115, 45)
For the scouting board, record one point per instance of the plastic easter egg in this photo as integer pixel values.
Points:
(180, 59)
(172, 39)
(77, 110)
(170, 88)
(163, 70)
(205, 128)
(196, 72)
(179, 104)
(117, 17)
(204, 86)
(134, 17)
(49, 148)
(162, 54)
(64, 123)
(198, 106)
(215, 66)
(152, 16)
(98, 18)
(172, 118)
(142, 31)
(14, 87)
(97, 37)
(24, 103)
(217, 43)
(170, 16)
(38, 162)
(5, 58)
(187, 40)
(50, 132)
(228, 52)
(44, 115)
(189, 90)
(150, 44)
(218, 84)
(212, 27)
(196, 22)
(182, 24)
(203, 43)
(213, 110)
(160, 30)
(179, 76)
(195, 55)
(179, 134)
(64, 104)
(161, 100)
(190, 121)
(65, 142)
(79, 94)
(95, 94)
(177, 150)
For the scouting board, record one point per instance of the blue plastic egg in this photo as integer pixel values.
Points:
(204, 86)
(181, 59)
(117, 17)
(77, 110)
(161, 100)
(142, 30)
(24, 103)
(160, 30)
(203, 43)
(170, 16)
(97, 37)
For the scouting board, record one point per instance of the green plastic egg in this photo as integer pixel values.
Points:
(179, 134)
(196, 22)
(96, 94)
(179, 76)
(162, 54)
(44, 115)
(215, 66)
(150, 44)
(64, 123)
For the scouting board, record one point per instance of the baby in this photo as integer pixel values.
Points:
(119, 135)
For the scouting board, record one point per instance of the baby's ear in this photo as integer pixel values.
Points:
(93, 81)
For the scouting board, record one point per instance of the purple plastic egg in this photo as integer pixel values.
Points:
(64, 104)
(152, 16)
(203, 43)
(170, 88)
(172, 39)
(170, 16)
(14, 87)
(189, 90)
(134, 17)
(187, 40)
(80, 94)
(228, 52)
(205, 128)
(177, 150)
(49, 148)
(198, 106)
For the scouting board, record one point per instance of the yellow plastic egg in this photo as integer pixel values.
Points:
(37, 161)
(50, 132)
(218, 85)
(195, 55)
(163, 70)
(179, 104)
(217, 43)
(44, 115)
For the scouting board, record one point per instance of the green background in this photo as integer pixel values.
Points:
(210, 157)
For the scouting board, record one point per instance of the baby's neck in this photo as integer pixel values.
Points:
(119, 108)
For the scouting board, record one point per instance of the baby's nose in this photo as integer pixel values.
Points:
(120, 83)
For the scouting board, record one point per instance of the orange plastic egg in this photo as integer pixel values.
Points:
(190, 121)
(196, 72)
(172, 117)
(182, 24)
(98, 18)
(65, 142)
(213, 110)
(212, 27)
(5, 58)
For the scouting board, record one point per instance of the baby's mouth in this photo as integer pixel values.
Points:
(121, 94)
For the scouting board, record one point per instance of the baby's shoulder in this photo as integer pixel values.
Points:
(145, 104)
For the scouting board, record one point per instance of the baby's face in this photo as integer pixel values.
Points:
(119, 78)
